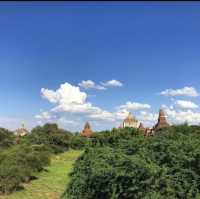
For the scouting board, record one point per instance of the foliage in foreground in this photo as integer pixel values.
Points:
(56, 139)
(51, 184)
(19, 164)
(163, 166)
(21, 160)
(6, 138)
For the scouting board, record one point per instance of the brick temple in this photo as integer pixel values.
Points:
(162, 121)
(87, 131)
(130, 121)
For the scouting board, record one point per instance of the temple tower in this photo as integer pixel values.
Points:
(141, 127)
(87, 131)
(130, 121)
(20, 132)
(162, 121)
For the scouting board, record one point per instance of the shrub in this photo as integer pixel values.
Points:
(57, 140)
(123, 164)
(79, 142)
(19, 164)
(6, 138)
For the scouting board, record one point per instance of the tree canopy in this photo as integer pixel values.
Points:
(124, 164)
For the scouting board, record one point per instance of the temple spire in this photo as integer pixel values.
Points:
(87, 131)
(130, 121)
(162, 121)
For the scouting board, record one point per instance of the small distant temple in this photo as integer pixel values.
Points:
(162, 121)
(20, 132)
(87, 131)
(141, 127)
(130, 121)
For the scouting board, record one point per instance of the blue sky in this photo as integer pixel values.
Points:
(148, 47)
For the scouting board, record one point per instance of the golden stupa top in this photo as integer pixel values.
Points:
(130, 118)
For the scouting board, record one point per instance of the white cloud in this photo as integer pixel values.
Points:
(113, 82)
(69, 99)
(121, 114)
(66, 94)
(134, 106)
(70, 102)
(89, 84)
(186, 104)
(44, 115)
(186, 91)
(102, 115)
(181, 116)
(147, 116)
(72, 108)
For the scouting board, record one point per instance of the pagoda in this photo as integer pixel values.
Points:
(141, 127)
(20, 132)
(162, 121)
(87, 131)
(130, 121)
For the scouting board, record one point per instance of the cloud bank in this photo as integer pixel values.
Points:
(72, 108)
(183, 104)
(112, 83)
(89, 84)
(134, 106)
(70, 102)
(186, 91)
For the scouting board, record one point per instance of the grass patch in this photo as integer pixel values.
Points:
(50, 184)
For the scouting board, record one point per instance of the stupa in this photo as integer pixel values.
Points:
(141, 127)
(130, 121)
(20, 132)
(162, 121)
(87, 131)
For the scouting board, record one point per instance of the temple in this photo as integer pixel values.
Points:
(162, 121)
(141, 127)
(20, 132)
(130, 121)
(87, 131)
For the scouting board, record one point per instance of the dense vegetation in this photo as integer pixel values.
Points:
(21, 159)
(116, 164)
(19, 164)
(124, 164)
(6, 138)
(55, 139)
(50, 183)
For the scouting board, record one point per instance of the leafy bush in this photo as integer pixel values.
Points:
(19, 164)
(79, 142)
(123, 164)
(57, 140)
(6, 138)
(108, 173)
(114, 137)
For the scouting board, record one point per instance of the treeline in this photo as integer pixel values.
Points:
(22, 158)
(124, 164)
